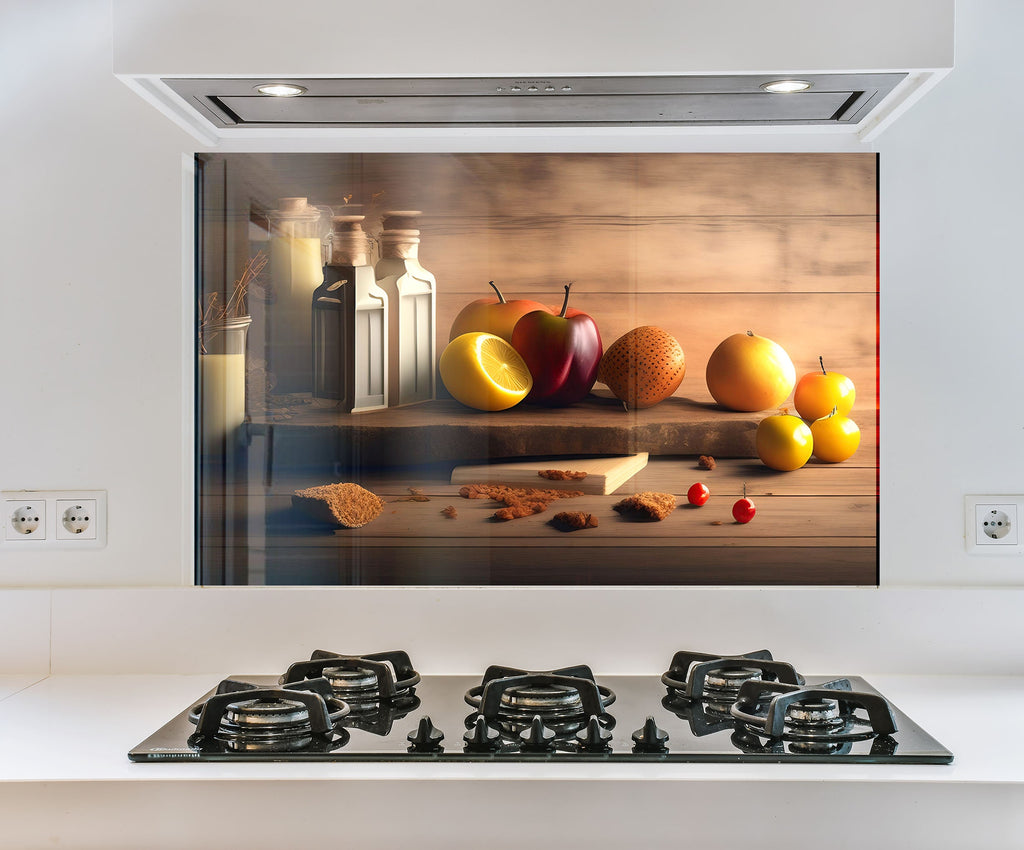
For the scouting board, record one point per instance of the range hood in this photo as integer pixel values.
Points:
(619, 101)
(452, 70)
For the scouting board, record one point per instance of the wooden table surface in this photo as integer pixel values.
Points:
(815, 525)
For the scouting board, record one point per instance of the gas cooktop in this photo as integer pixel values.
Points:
(704, 708)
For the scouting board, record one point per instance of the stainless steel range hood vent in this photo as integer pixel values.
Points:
(610, 101)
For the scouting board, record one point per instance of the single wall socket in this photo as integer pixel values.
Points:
(54, 519)
(76, 519)
(991, 525)
(24, 519)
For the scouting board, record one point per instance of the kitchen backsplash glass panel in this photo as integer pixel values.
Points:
(342, 440)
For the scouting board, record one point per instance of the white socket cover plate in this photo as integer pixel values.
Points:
(24, 520)
(977, 509)
(56, 535)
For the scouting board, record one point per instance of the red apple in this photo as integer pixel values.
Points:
(493, 315)
(562, 353)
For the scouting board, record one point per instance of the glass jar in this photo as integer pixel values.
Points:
(296, 269)
(222, 384)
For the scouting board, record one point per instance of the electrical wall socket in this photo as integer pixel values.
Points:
(54, 519)
(24, 519)
(991, 525)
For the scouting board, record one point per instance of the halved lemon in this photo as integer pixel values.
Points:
(484, 371)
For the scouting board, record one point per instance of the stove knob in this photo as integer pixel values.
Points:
(594, 738)
(427, 737)
(481, 738)
(650, 739)
(538, 738)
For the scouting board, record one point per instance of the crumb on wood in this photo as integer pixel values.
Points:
(573, 520)
(520, 509)
(647, 505)
(518, 501)
(416, 494)
(706, 462)
(450, 511)
(561, 474)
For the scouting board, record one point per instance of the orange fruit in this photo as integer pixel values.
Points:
(643, 366)
(484, 371)
(750, 372)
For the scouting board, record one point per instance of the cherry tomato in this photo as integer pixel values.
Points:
(743, 510)
(698, 494)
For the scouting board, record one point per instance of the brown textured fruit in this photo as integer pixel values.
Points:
(643, 366)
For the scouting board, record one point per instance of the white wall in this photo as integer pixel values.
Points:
(92, 334)
(952, 382)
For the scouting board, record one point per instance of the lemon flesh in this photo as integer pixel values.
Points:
(484, 372)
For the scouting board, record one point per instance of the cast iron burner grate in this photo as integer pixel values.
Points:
(243, 717)
(379, 687)
(378, 677)
(814, 719)
(703, 687)
(538, 710)
(718, 678)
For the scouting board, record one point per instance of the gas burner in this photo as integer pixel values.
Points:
(564, 700)
(243, 717)
(366, 682)
(814, 719)
(717, 679)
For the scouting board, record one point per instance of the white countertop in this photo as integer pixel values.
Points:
(12, 684)
(64, 742)
(102, 717)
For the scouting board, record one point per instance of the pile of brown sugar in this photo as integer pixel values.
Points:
(345, 504)
(518, 501)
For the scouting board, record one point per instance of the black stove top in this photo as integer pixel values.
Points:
(704, 708)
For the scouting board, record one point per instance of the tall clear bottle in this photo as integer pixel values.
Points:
(411, 292)
(296, 269)
(350, 323)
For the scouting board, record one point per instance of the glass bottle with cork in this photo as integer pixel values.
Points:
(411, 292)
(350, 323)
(296, 269)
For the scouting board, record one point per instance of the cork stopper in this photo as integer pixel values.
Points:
(347, 223)
(292, 205)
(349, 244)
(401, 220)
(400, 244)
(294, 211)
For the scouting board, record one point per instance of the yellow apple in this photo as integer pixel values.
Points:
(819, 393)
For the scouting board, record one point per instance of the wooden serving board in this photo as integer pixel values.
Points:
(604, 474)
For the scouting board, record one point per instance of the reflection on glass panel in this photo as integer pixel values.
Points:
(476, 369)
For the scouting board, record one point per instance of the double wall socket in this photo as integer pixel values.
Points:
(54, 519)
(992, 525)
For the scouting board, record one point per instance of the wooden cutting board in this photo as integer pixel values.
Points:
(604, 474)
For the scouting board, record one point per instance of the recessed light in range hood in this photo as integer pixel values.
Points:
(837, 99)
